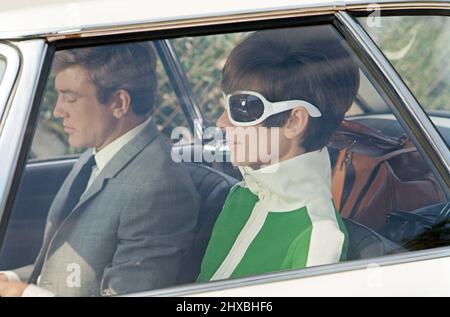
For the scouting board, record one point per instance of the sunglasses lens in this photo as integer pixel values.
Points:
(245, 108)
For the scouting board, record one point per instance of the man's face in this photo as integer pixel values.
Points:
(87, 122)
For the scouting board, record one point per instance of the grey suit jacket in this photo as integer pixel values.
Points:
(129, 230)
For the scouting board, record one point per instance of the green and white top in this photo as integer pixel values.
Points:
(279, 217)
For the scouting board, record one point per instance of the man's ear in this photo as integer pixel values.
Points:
(296, 124)
(120, 103)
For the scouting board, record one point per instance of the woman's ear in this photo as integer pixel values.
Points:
(120, 103)
(296, 124)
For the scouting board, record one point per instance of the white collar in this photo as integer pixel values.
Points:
(103, 156)
(293, 183)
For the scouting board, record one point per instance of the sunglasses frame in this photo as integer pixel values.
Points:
(270, 108)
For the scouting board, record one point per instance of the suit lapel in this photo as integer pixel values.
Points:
(117, 163)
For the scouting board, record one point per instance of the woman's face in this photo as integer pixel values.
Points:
(256, 145)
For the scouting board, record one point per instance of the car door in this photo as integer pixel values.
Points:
(388, 276)
(391, 275)
(23, 65)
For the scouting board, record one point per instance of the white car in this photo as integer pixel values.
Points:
(397, 217)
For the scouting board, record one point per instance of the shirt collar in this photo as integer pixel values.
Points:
(103, 156)
(293, 182)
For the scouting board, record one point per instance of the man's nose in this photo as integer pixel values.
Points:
(58, 111)
(223, 121)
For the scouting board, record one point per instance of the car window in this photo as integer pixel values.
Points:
(312, 167)
(51, 141)
(417, 47)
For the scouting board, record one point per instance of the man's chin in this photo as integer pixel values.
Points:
(76, 143)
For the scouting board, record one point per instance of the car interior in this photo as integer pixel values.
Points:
(213, 186)
(396, 225)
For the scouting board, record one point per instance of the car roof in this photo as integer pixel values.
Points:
(25, 18)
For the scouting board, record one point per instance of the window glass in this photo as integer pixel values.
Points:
(320, 170)
(50, 140)
(418, 47)
(203, 59)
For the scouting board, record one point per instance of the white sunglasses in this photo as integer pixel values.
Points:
(246, 108)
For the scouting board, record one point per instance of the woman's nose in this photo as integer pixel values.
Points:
(223, 121)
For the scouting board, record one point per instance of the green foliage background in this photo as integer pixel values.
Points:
(419, 49)
(203, 59)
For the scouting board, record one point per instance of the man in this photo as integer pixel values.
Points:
(125, 214)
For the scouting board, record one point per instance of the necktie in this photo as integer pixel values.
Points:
(78, 187)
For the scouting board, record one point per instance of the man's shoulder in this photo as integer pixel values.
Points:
(154, 163)
(156, 155)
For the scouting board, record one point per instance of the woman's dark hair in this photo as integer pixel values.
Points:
(130, 66)
(309, 63)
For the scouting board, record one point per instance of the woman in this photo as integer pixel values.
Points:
(286, 91)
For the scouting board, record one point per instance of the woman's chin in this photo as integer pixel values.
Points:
(244, 163)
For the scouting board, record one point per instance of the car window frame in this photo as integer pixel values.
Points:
(181, 86)
(12, 65)
(300, 273)
(17, 125)
(2, 71)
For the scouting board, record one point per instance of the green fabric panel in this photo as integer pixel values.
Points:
(234, 215)
(282, 244)
(297, 255)
(269, 248)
